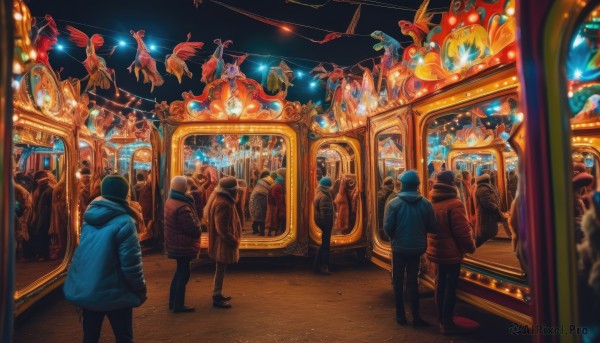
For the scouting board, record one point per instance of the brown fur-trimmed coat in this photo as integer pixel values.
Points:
(224, 228)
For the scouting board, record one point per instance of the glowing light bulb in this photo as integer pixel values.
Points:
(60, 47)
(511, 54)
(577, 74)
(18, 16)
(452, 20)
(152, 47)
(510, 11)
(473, 17)
(15, 117)
(261, 67)
(17, 68)
(313, 84)
(122, 43)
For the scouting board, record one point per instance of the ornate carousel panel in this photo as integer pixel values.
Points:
(263, 158)
(339, 159)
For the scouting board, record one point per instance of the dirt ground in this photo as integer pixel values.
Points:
(274, 300)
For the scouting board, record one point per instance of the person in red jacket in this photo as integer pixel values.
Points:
(182, 239)
(447, 247)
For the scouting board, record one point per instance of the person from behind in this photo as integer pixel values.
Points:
(182, 240)
(323, 204)
(106, 277)
(487, 210)
(407, 220)
(383, 194)
(224, 232)
(258, 203)
(447, 247)
(276, 217)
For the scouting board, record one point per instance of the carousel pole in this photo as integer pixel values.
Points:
(7, 249)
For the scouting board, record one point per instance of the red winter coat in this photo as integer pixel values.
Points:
(455, 235)
(276, 207)
(182, 229)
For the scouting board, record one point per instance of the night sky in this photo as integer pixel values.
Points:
(167, 23)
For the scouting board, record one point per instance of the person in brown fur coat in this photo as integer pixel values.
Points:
(224, 233)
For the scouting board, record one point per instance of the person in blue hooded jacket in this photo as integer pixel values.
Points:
(407, 220)
(106, 276)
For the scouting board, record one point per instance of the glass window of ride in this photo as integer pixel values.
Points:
(583, 95)
(257, 161)
(41, 211)
(337, 160)
(390, 165)
(472, 141)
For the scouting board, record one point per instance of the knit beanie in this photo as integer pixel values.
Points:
(179, 184)
(228, 183)
(446, 177)
(410, 181)
(325, 182)
(264, 174)
(115, 188)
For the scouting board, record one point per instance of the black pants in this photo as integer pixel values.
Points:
(180, 280)
(445, 291)
(410, 264)
(258, 227)
(121, 322)
(322, 258)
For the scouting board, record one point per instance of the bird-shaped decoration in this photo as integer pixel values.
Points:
(419, 28)
(144, 62)
(175, 62)
(213, 68)
(45, 40)
(279, 78)
(99, 75)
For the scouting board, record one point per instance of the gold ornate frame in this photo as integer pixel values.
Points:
(397, 118)
(315, 233)
(25, 297)
(175, 164)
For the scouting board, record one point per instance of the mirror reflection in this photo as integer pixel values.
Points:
(258, 162)
(390, 164)
(582, 75)
(471, 141)
(337, 162)
(41, 213)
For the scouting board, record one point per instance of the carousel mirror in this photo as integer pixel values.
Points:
(41, 211)
(582, 96)
(258, 162)
(390, 164)
(88, 180)
(472, 142)
(337, 161)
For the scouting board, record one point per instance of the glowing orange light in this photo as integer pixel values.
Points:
(452, 20)
(473, 17)
(511, 54)
(510, 11)
(285, 28)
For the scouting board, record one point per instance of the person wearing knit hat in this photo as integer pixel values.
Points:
(264, 174)
(447, 247)
(106, 277)
(407, 220)
(384, 194)
(224, 234)
(182, 239)
(487, 210)
(258, 203)
(323, 207)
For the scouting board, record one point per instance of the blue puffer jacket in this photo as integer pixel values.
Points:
(407, 220)
(106, 272)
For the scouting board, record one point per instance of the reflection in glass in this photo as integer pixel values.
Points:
(337, 161)
(469, 141)
(258, 162)
(41, 214)
(390, 164)
(583, 74)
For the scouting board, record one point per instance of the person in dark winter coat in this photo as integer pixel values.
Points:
(258, 203)
(38, 246)
(276, 218)
(323, 204)
(182, 239)
(106, 277)
(407, 220)
(447, 247)
(145, 201)
(386, 191)
(487, 210)
(224, 233)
